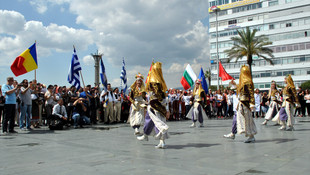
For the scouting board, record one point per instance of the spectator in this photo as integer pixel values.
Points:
(307, 99)
(117, 105)
(72, 96)
(26, 105)
(10, 92)
(2, 101)
(257, 98)
(59, 116)
(79, 113)
(50, 99)
(108, 102)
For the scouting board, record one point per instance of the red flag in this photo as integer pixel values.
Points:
(223, 74)
(148, 75)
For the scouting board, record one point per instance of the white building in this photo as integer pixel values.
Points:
(285, 22)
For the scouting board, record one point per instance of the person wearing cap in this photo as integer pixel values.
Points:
(196, 112)
(290, 100)
(155, 118)
(137, 97)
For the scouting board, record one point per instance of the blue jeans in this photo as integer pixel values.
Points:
(80, 120)
(25, 111)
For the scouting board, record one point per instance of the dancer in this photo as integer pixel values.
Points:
(235, 103)
(137, 98)
(245, 90)
(274, 98)
(197, 112)
(290, 99)
(155, 119)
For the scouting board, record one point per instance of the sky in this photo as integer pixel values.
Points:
(173, 32)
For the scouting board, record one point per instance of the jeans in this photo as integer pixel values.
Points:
(80, 120)
(25, 111)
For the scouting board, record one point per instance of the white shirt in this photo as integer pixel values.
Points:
(60, 111)
(109, 96)
(187, 99)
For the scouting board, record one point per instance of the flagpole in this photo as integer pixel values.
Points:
(35, 71)
(80, 71)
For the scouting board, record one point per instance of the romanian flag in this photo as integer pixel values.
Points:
(25, 62)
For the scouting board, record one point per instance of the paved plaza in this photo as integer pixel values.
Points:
(113, 149)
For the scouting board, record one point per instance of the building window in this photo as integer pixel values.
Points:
(250, 19)
(232, 22)
(271, 26)
(289, 24)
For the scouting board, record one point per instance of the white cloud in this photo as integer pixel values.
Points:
(48, 38)
(88, 60)
(11, 22)
(169, 31)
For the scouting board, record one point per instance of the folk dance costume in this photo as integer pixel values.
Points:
(234, 124)
(155, 119)
(197, 112)
(245, 90)
(137, 98)
(274, 98)
(290, 99)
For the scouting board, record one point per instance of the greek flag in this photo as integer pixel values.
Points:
(124, 77)
(75, 67)
(104, 79)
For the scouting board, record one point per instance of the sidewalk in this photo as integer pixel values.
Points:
(113, 149)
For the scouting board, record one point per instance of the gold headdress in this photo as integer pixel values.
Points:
(244, 78)
(156, 76)
(290, 81)
(197, 91)
(139, 77)
(290, 84)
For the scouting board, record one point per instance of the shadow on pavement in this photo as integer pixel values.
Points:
(275, 140)
(191, 145)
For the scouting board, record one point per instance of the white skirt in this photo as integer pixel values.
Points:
(245, 122)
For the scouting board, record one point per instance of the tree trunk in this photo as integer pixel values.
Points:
(250, 61)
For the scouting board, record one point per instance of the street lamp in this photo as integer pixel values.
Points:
(216, 10)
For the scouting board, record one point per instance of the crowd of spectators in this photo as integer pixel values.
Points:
(31, 105)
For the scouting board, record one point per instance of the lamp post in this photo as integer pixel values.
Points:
(216, 10)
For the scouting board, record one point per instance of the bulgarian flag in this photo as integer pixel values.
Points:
(189, 78)
(25, 62)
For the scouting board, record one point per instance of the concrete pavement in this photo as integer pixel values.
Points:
(113, 149)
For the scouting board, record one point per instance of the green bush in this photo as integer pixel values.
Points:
(305, 85)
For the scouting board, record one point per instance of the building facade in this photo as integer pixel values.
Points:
(285, 22)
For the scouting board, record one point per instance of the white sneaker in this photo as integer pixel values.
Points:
(161, 146)
(137, 132)
(230, 136)
(193, 125)
(265, 122)
(250, 140)
(282, 128)
(201, 125)
(143, 138)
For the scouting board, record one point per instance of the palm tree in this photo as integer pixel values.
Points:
(208, 76)
(247, 45)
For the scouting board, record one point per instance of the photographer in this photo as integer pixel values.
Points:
(50, 99)
(79, 113)
(26, 104)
